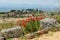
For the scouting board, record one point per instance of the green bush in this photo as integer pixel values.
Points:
(32, 26)
(58, 18)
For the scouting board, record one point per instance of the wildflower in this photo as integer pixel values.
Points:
(28, 20)
(33, 19)
(37, 18)
(24, 23)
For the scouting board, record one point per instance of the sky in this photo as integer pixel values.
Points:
(22, 4)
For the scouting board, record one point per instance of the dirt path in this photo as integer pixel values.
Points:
(11, 20)
(50, 36)
(14, 39)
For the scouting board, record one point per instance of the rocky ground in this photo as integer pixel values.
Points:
(49, 36)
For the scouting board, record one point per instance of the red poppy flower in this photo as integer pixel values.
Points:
(24, 23)
(37, 18)
(33, 19)
(28, 20)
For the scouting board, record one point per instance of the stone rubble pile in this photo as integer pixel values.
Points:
(2, 38)
(48, 22)
(12, 32)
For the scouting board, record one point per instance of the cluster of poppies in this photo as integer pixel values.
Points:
(33, 19)
(32, 23)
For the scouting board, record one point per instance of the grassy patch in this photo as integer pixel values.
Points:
(6, 25)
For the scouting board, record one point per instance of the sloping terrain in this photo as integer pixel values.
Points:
(49, 36)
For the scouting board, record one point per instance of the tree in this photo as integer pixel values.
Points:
(12, 10)
(40, 11)
(52, 14)
(2, 12)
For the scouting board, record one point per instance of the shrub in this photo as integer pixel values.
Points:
(58, 18)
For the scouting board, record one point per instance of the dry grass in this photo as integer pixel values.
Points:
(8, 22)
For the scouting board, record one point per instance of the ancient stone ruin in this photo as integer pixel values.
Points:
(48, 22)
(14, 32)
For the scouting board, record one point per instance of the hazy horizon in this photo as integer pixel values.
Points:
(6, 5)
